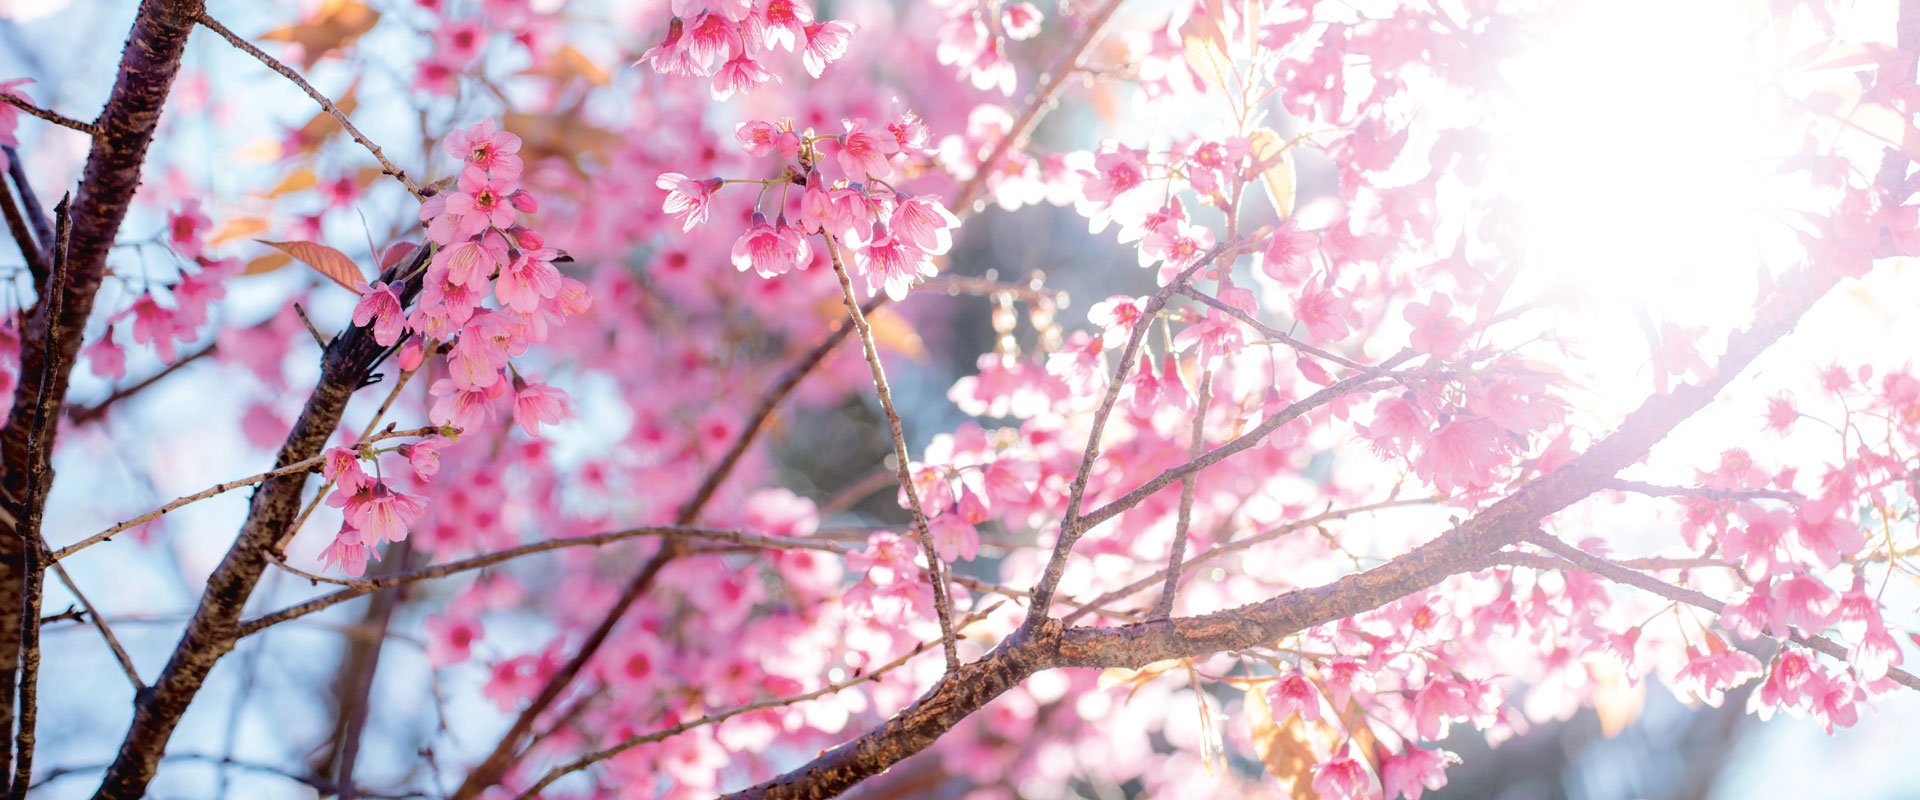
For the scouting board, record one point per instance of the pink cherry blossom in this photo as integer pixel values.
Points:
(687, 199)
(1412, 773)
(380, 305)
(537, 403)
(769, 249)
(826, 43)
(494, 151)
(1294, 694)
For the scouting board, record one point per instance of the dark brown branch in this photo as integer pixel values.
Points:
(56, 118)
(33, 551)
(212, 631)
(36, 214)
(29, 245)
(244, 46)
(124, 129)
(82, 415)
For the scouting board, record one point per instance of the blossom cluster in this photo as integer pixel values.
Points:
(893, 235)
(480, 249)
(730, 39)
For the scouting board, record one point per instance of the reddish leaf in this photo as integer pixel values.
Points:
(325, 260)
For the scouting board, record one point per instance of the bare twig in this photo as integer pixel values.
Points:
(100, 622)
(386, 167)
(1271, 332)
(56, 118)
(36, 213)
(1177, 554)
(30, 247)
(1042, 99)
(1070, 530)
(941, 603)
(1703, 493)
(304, 465)
(83, 415)
(1582, 560)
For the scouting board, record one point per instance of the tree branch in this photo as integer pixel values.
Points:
(1271, 332)
(942, 605)
(1576, 558)
(1177, 554)
(56, 118)
(1469, 546)
(1036, 106)
(50, 341)
(244, 46)
(1070, 527)
(212, 631)
(33, 551)
(29, 245)
(631, 742)
(87, 414)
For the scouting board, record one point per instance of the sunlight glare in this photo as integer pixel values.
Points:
(1642, 148)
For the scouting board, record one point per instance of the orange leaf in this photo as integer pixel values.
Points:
(1615, 699)
(299, 181)
(267, 263)
(1206, 47)
(237, 228)
(564, 134)
(338, 23)
(890, 332)
(326, 260)
(322, 126)
(569, 63)
(1286, 747)
(1274, 159)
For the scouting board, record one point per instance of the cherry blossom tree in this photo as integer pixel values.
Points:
(1372, 427)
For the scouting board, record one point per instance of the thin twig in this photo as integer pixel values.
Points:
(36, 213)
(942, 604)
(1703, 493)
(721, 716)
(219, 488)
(1041, 100)
(326, 105)
(22, 236)
(87, 414)
(106, 631)
(1070, 531)
(1178, 552)
(1271, 332)
(318, 338)
(1098, 604)
(1582, 560)
(56, 118)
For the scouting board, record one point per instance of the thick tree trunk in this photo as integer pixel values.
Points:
(148, 64)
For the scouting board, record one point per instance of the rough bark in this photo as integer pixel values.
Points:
(212, 631)
(148, 63)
